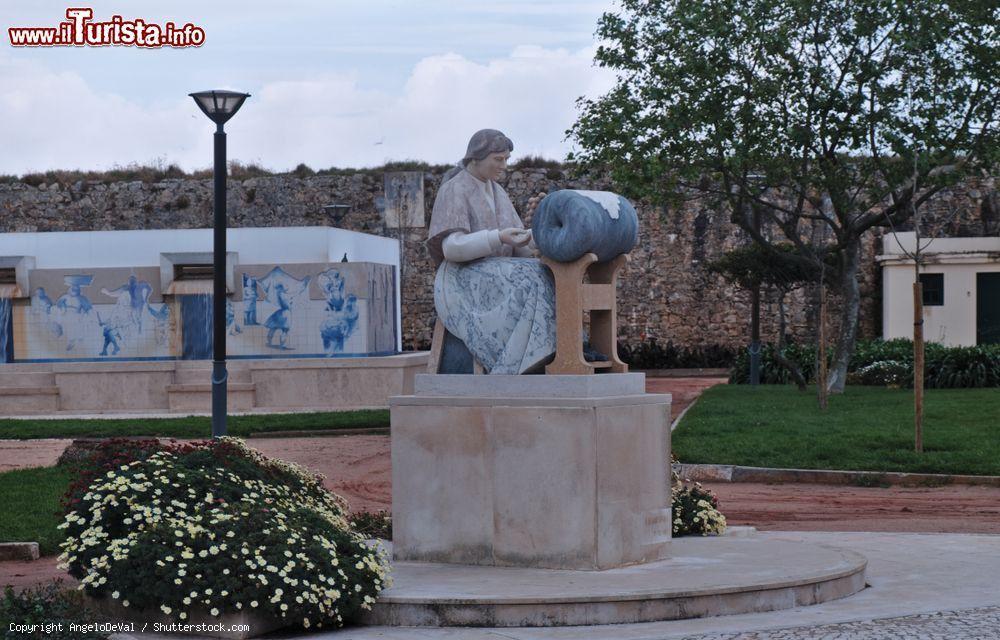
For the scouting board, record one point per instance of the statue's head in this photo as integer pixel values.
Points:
(487, 154)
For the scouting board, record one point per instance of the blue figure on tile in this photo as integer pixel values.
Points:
(111, 335)
(332, 285)
(339, 325)
(41, 304)
(281, 290)
(231, 324)
(133, 297)
(74, 300)
(40, 301)
(75, 309)
(249, 300)
(280, 320)
(161, 318)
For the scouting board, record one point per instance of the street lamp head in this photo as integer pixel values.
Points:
(219, 105)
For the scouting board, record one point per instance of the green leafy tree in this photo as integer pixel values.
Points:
(755, 265)
(813, 112)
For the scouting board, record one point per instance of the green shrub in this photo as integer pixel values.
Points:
(963, 367)
(944, 367)
(771, 372)
(107, 455)
(373, 524)
(651, 354)
(46, 612)
(215, 528)
(885, 373)
(696, 511)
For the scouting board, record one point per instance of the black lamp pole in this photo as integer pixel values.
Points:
(220, 106)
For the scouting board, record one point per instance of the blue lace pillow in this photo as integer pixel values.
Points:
(568, 224)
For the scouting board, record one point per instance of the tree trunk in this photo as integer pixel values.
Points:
(851, 293)
(821, 373)
(779, 351)
(918, 365)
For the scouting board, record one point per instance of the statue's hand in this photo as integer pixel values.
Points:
(515, 237)
(533, 203)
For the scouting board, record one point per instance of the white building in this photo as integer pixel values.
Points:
(961, 278)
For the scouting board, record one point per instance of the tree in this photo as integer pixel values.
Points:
(787, 104)
(918, 254)
(754, 265)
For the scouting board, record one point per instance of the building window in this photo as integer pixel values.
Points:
(933, 289)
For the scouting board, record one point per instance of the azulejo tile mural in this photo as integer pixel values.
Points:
(67, 324)
(291, 310)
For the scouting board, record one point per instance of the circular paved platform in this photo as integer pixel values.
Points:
(703, 577)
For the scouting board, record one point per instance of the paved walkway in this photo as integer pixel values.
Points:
(922, 586)
(943, 625)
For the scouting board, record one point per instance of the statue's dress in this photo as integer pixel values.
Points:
(501, 306)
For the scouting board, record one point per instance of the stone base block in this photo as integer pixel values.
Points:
(18, 551)
(577, 480)
(198, 397)
(27, 400)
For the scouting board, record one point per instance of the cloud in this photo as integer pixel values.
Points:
(55, 120)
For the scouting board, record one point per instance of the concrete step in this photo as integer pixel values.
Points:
(29, 400)
(22, 379)
(240, 396)
(703, 577)
(203, 374)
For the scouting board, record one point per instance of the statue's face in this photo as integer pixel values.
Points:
(492, 166)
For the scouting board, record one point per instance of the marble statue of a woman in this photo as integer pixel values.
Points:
(490, 291)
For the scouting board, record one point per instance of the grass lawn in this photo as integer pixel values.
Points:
(865, 429)
(191, 427)
(29, 506)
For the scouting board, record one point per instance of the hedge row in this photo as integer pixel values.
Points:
(881, 362)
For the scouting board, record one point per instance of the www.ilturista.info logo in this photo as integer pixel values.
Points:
(80, 31)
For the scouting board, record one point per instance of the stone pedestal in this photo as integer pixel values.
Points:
(561, 472)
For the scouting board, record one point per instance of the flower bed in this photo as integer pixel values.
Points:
(216, 528)
(695, 509)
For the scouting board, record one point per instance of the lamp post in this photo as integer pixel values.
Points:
(219, 106)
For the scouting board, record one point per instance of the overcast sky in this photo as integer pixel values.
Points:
(334, 82)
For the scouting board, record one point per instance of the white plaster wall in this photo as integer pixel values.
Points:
(142, 248)
(954, 323)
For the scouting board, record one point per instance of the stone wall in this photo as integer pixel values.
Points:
(667, 292)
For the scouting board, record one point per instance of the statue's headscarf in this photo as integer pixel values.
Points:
(460, 204)
(482, 144)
